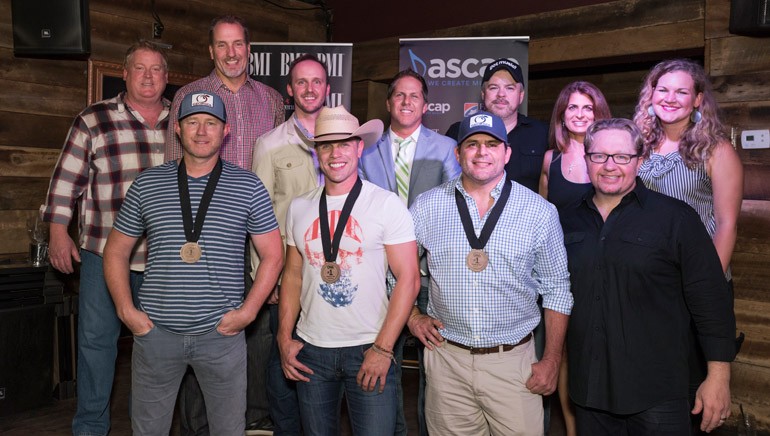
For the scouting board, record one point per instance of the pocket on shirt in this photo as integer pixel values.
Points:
(530, 160)
(644, 238)
(289, 163)
(574, 237)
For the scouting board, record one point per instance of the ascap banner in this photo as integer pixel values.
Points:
(269, 63)
(453, 69)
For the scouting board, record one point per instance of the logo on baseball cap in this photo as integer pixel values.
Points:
(198, 102)
(482, 122)
(504, 64)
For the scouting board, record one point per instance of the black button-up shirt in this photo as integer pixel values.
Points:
(636, 279)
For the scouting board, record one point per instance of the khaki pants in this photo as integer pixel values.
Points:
(473, 395)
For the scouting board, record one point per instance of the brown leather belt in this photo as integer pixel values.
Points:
(490, 350)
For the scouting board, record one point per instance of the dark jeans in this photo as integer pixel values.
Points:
(334, 374)
(398, 354)
(282, 393)
(669, 418)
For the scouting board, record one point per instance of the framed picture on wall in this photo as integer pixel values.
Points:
(105, 80)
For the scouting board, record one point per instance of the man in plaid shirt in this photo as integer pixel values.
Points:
(109, 144)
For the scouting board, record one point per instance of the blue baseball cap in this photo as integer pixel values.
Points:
(202, 102)
(482, 122)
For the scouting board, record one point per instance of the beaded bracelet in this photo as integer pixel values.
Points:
(383, 352)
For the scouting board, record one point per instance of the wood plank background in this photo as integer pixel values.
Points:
(40, 97)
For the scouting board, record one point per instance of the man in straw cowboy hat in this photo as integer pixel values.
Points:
(341, 238)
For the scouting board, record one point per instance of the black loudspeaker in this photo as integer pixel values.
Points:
(51, 28)
(750, 17)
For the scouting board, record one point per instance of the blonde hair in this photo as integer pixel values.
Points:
(698, 139)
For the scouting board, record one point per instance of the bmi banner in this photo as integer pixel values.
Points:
(269, 63)
(453, 69)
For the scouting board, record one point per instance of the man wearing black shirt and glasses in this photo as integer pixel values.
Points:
(641, 265)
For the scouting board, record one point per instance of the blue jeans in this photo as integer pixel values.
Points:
(98, 332)
(398, 354)
(159, 362)
(192, 410)
(334, 374)
(669, 418)
(281, 392)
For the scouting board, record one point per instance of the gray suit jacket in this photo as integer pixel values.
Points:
(434, 163)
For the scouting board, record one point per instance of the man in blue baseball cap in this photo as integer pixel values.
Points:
(487, 270)
(196, 212)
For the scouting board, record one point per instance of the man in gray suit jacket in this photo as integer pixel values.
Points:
(408, 160)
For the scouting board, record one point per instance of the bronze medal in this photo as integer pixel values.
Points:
(477, 260)
(330, 272)
(190, 252)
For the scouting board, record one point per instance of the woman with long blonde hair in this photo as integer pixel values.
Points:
(692, 160)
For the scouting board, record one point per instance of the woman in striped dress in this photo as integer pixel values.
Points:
(691, 159)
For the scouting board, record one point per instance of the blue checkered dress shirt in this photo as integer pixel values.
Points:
(526, 258)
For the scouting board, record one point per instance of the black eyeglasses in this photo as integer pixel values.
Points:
(618, 158)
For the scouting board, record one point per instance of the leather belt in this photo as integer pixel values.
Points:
(490, 350)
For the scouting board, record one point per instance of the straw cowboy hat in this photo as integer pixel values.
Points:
(337, 124)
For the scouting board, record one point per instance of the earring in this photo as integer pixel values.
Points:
(696, 116)
(562, 123)
(650, 111)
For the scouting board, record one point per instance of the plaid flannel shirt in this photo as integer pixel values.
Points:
(108, 145)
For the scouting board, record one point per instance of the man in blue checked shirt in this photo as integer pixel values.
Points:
(493, 247)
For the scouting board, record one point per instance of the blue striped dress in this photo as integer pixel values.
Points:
(669, 175)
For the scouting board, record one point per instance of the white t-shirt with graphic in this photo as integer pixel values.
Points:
(350, 311)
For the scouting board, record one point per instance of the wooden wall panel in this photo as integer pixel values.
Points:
(40, 97)
(668, 37)
(717, 18)
(50, 72)
(31, 130)
(368, 101)
(23, 193)
(27, 161)
(742, 87)
(621, 90)
(738, 55)
(13, 231)
(749, 386)
(623, 27)
(740, 71)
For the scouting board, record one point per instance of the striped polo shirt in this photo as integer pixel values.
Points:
(192, 298)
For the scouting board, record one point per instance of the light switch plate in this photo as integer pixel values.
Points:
(751, 139)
